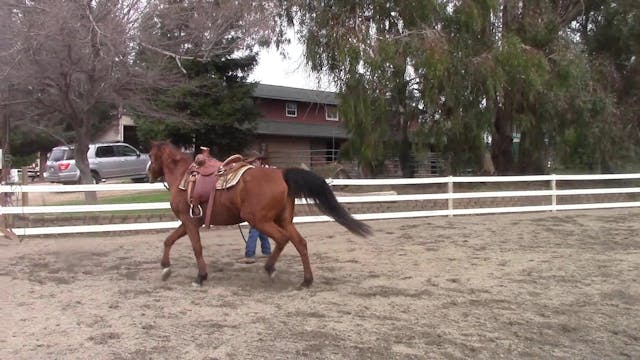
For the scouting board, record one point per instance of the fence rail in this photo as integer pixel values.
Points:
(552, 193)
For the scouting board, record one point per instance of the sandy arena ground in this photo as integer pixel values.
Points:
(518, 286)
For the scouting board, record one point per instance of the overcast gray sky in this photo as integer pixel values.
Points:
(273, 69)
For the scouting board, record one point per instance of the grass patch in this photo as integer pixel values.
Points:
(162, 196)
(132, 198)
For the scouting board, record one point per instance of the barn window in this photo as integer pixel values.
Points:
(331, 112)
(292, 109)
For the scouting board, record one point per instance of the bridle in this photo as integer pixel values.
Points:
(164, 183)
(161, 178)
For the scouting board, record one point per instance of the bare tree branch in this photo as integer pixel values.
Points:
(170, 54)
(15, 102)
(67, 57)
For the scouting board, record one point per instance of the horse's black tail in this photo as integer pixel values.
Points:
(304, 183)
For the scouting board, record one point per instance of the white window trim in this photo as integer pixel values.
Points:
(286, 109)
(326, 113)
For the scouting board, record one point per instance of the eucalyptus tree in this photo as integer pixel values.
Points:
(610, 31)
(364, 47)
(508, 68)
(367, 116)
(547, 82)
(456, 73)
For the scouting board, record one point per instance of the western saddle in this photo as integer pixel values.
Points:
(205, 176)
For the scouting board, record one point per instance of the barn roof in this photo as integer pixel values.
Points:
(295, 94)
(270, 127)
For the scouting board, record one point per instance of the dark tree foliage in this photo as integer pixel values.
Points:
(216, 109)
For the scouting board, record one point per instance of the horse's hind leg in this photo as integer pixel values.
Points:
(176, 234)
(270, 265)
(279, 236)
(301, 245)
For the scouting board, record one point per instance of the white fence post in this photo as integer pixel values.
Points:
(450, 200)
(4, 223)
(554, 194)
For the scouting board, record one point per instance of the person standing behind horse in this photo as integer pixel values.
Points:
(257, 160)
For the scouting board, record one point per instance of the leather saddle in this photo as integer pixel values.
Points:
(205, 176)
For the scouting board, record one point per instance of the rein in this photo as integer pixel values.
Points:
(242, 233)
(164, 182)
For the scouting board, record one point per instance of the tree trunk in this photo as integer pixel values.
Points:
(4, 115)
(502, 142)
(83, 136)
(502, 138)
(366, 170)
(405, 149)
(42, 155)
(531, 157)
(400, 106)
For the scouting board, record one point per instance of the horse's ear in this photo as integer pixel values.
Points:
(174, 154)
(158, 143)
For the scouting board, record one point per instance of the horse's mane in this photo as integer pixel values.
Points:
(168, 148)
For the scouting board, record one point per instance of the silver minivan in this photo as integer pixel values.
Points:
(106, 161)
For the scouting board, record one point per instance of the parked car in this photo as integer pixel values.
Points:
(106, 161)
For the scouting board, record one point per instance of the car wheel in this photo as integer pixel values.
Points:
(96, 177)
(140, 179)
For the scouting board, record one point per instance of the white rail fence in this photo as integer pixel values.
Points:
(552, 192)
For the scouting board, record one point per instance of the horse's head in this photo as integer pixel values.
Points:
(156, 155)
(166, 161)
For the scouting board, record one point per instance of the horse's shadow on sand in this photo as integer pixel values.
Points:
(244, 277)
(80, 267)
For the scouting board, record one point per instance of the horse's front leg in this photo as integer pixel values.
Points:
(193, 230)
(176, 234)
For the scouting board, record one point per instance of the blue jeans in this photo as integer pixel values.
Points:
(254, 234)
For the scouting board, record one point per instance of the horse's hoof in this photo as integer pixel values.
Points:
(271, 271)
(200, 279)
(306, 283)
(166, 273)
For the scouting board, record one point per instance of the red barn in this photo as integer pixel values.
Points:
(298, 126)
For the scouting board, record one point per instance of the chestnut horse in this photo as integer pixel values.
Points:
(264, 197)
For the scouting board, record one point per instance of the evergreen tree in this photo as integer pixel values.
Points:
(216, 108)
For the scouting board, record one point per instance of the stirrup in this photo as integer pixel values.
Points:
(194, 215)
